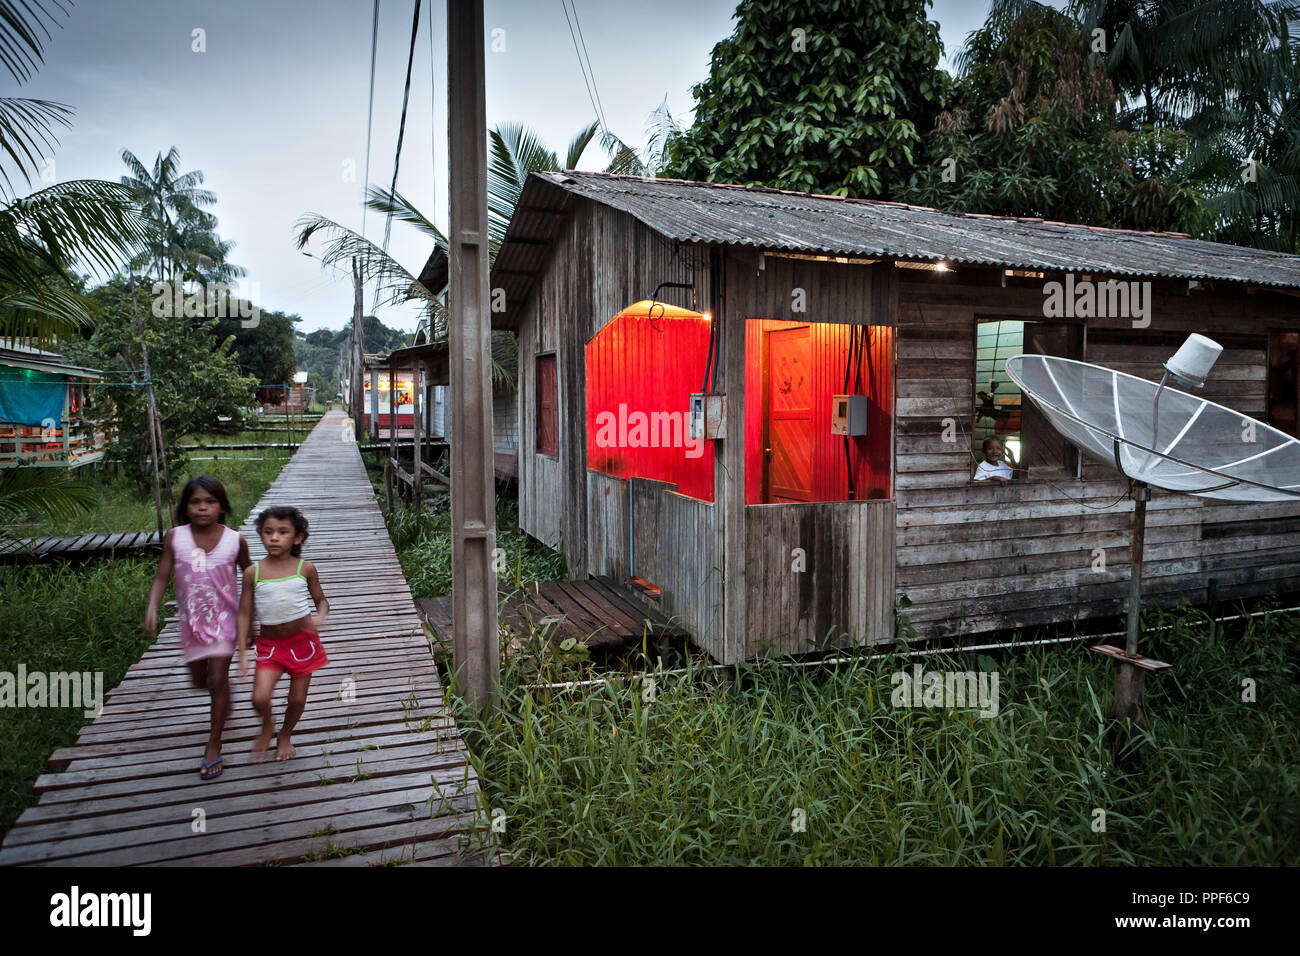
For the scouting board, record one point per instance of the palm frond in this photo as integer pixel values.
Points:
(391, 202)
(42, 491)
(26, 134)
(396, 284)
(89, 221)
(21, 50)
(578, 145)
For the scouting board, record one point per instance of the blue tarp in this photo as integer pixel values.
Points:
(29, 397)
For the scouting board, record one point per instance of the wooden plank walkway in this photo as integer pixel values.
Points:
(381, 775)
(94, 542)
(596, 612)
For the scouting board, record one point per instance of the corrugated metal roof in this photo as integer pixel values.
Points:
(785, 221)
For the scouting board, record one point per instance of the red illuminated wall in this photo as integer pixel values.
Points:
(829, 349)
(650, 367)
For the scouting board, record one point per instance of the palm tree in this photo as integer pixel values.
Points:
(85, 222)
(171, 201)
(516, 151)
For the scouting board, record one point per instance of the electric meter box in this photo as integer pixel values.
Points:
(708, 415)
(848, 414)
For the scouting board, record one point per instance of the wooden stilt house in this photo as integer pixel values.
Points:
(44, 410)
(766, 408)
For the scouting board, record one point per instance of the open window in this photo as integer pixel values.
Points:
(642, 368)
(1002, 413)
(818, 411)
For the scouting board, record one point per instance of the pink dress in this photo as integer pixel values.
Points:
(207, 596)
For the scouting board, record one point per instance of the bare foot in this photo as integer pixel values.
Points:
(261, 742)
(285, 750)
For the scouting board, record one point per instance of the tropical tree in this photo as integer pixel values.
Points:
(1223, 73)
(83, 223)
(826, 96)
(515, 151)
(195, 374)
(1032, 129)
(183, 243)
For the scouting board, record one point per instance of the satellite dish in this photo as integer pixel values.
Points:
(1183, 444)
(1161, 436)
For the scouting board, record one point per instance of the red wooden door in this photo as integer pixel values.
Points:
(787, 463)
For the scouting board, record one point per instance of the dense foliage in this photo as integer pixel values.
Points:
(1031, 130)
(828, 96)
(195, 374)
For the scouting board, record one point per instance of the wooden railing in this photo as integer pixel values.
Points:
(72, 443)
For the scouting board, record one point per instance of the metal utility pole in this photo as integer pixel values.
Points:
(473, 498)
(355, 409)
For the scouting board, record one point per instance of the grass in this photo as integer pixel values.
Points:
(86, 616)
(63, 617)
(122, 507)
(814, 766)
(423, 543)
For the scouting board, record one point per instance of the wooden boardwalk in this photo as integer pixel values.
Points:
(596, 612)
(93, 542)
(381, 775)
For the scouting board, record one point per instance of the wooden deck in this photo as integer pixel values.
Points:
(381, 775)
(596, 612)
(93, 542)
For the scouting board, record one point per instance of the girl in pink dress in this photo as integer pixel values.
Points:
(203, 552)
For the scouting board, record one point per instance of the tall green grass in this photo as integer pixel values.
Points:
(423, 543)
(63, 617)
(123, 507)
(708, 773)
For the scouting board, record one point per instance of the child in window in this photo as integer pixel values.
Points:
(993, 467)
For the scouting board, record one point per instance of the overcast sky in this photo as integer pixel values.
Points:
(274, 110)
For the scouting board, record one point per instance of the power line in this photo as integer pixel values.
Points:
(600, 106)
(401, 133)
(370, 112)
(581, 66)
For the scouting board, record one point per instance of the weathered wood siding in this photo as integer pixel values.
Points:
(601, 262)
(607, 526)
(673, 547)
(977, 556)
(836, 590)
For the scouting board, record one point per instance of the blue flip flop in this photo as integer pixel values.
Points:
(209, 766)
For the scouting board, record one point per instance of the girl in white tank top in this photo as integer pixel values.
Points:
(283, 592)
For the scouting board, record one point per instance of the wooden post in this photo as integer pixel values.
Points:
(392, 417)
(153, 431)
(1129, 679)
(374, 405)
(354, 379)
(473, 499)
(1212, 600)
(417, 431)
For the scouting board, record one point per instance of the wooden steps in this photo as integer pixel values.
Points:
(596, 612)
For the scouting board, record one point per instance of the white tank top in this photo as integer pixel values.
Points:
(281, 600)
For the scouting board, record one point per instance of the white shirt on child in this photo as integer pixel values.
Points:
(986, 471)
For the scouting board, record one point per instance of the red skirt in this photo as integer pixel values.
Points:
(296, 654)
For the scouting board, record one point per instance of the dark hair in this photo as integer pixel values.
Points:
(988, 441)
(286, 513)
(209, 484)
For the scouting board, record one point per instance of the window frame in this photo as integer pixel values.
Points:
(1066, 470)
(552, 451)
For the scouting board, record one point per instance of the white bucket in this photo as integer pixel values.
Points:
(1194, 359)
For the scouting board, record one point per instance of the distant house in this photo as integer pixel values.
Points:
(853, 351)
(43, 407)
(289, 398)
